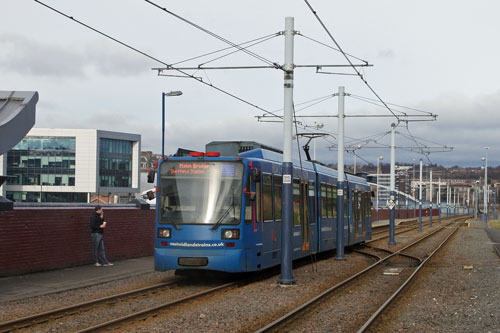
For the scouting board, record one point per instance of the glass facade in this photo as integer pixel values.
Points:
(42, 161)
(46, 196)
(115, 163)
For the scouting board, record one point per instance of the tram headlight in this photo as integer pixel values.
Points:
(164, 233)
(230, 234)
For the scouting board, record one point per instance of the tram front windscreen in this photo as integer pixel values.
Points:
(200, 192)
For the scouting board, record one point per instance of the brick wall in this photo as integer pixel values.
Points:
(48, 238)
(383, 214)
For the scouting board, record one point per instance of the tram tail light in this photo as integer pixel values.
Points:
(230, 234)
(164, 232)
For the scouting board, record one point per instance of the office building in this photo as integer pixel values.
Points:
(72, 165)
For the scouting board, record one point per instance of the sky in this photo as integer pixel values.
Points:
(439, 57)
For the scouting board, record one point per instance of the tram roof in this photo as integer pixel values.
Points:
(276, 157)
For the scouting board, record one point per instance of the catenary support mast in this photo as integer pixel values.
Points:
(286, 276)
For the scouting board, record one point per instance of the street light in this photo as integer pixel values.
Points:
(163, 95)
(380, 158)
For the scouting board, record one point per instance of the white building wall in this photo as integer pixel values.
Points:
(86, 161)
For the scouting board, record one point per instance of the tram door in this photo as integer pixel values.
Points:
(300, 214)
(313, 224)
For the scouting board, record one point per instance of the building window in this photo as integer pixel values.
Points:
(42, 161)
(46, 196)
(115, 163)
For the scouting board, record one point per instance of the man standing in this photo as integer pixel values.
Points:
(97, 224)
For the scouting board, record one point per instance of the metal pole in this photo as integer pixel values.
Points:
(495, 212)
(454, 201)
(447, 201)
(286, 276)
(439, 200)
(393, 186)
(430, 185)
(468, 200)
(162, 124)
(379, 158)
(340, 180)
(420, 200)
(486, 187)
(475, 201)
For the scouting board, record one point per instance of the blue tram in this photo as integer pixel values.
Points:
(224, 214)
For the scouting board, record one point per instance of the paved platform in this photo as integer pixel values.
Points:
(36, 284)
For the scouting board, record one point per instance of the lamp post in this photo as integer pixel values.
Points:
(430, 197)
(355, 161)
(476, 199)
(420, 200)
(485, 159)
(495, 212)
(380, 158)
(163, 95)
(439, 200)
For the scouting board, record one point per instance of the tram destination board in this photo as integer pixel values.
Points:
(188, 168)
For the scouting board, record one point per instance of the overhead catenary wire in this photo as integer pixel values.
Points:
(348, 59)
(313, 101)
(330, 47)
(259, 57)
(362, 98)
(187, 75)
(239, 50)
(264, 38)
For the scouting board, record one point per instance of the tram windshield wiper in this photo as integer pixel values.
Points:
(223, 216)
(219, 221)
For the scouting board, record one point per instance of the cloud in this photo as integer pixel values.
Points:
(24, 55)
(27, 56)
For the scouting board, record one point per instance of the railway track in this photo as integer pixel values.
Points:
(308, 315)
(43, 321)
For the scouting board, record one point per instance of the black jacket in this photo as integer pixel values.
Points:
(95, 222)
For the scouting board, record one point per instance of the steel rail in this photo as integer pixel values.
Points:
(40, 317)
(156, 308)
(399, 233)
(399, 290)
(297, 310)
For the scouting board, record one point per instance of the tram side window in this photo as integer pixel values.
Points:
(267, 195)
(296, 203)
(323, 200)
(329, 200)
(334, 193)
(278, 181)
